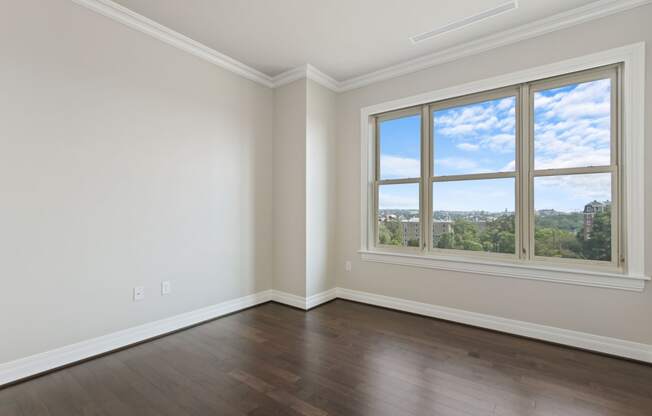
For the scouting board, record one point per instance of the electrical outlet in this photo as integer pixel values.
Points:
(347, 266)
(166, 287)
(139, 293)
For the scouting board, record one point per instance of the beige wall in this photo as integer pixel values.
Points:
(289, 154)
(123, 162)
(320, 190)
(605, 312)
(304, 188)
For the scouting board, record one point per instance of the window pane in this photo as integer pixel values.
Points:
(572, 126)
(474, 215)
(400, 148)
(398, 215)
(573, 216)
(475, 138)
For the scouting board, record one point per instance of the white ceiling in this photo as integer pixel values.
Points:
(343, 38)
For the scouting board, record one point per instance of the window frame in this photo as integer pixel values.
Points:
(631, 276)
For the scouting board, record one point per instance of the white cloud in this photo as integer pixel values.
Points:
(465, 128)
(510, 167)
(393, 201)
(586, 188)
(505, 103)
(399, 167)
(573, 127)
(502, 143)
(489, 125)
(491, 195)
(457, 163)
(586, 100)
(469, 147)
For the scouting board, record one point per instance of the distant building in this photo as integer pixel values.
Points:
(439, 228)
(410, 230)
(590, 210)
(546, 212)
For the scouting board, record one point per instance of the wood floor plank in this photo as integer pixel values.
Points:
(343, 358)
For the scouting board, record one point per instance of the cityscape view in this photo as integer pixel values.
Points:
(580, 235)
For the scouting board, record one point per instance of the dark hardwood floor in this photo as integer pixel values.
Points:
(342, 358)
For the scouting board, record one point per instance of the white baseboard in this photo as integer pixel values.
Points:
(302, 302)
(289, 299)
(49, 360)
(607, 345)
(319, 298)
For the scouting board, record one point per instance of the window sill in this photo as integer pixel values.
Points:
(571, 276)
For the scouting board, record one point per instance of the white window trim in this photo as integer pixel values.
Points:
(633, 277)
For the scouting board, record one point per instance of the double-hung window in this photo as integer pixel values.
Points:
(527, 174)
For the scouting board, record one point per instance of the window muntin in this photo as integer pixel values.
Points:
(598, 140)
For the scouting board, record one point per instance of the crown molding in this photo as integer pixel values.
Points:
(592, 11)
(290, 76)
(138, 22)
(305, 71)
(321, 78)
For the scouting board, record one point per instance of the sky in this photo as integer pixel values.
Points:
(572, 129)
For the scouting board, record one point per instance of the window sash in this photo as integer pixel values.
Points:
(393, 115)
(482, 97)
(613, 73)
(524, 173)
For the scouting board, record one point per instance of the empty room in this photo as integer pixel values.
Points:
(326, 207)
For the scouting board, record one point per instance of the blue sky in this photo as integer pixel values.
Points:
(572, 129)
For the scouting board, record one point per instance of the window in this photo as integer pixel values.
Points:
(527, 174)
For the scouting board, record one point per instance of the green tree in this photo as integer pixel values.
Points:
(445, 241)
(499, 235)
(384, 236)
(464, 235)
(413, 242)
(553, 242)
(389, 233)
(571, 221)
(598, 245)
